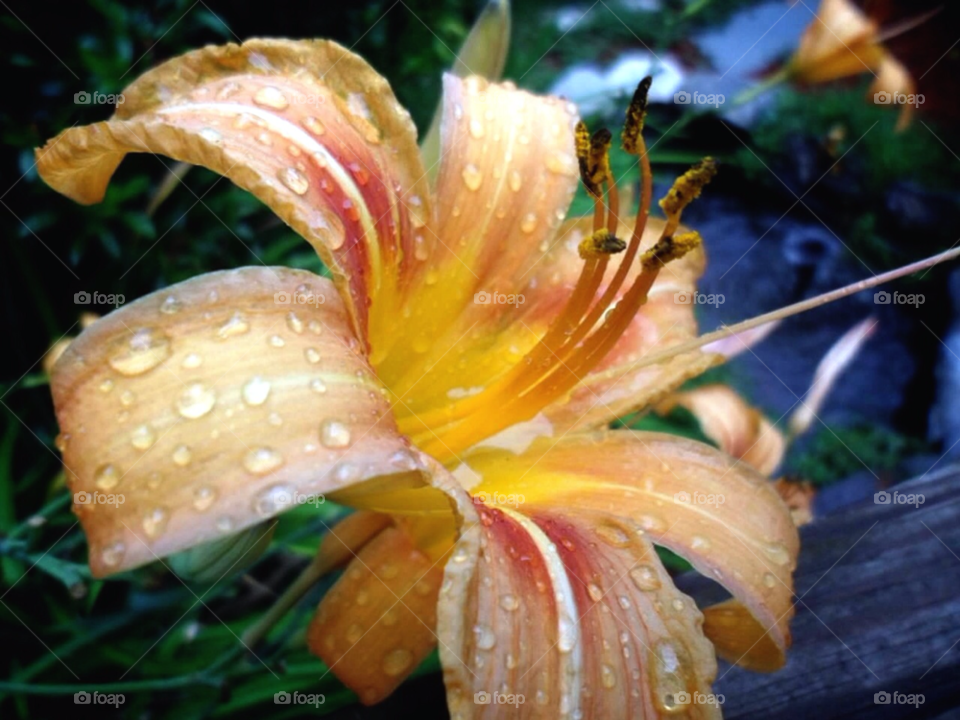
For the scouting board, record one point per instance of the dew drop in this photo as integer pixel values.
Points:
(698, 542)
(255, 391)
(277, 341)
(271, 97)
(397, 661)
(106, 477)
(563, 164)
(769, 580)
(236, 325)
(595, 593)
(203, 498)
(127, 398)
(144, 351)
(182, 456)
(211, 136)
(192, 361)
(608, 677)
(113, 553)
(515, 181)
(154, 522)
(486, 637)
(106, 386)
(334, 434)
(317, 386)
(196, 401)
(529, 223)
(273, 500)
(613, 535)
(262, 460)
(142, 437)
(509, 602)
(294, 322)
(472, 177)
(476, 128)
(777, 552)
(294, 180)
(313, 125)
(312, 355)
(645, 578)
(224, 524)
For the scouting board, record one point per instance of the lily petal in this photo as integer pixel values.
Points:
(507, 177)
(738, 429)
(208, 407)
(546, 607)
(839, 42)
(721, 515)
(308, 127)
(378, 621)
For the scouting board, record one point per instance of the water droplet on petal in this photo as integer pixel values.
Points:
(485, 636)
(277, 341)
(397, 661)
(563, 163)
(317, 386)
(236, 325)
(154, 522)
(262, 460)
(294, 322)
(595, 593)
(273, 500)
(127, 398)
(613, 534)
(769, 580)
(472, 177)
(192, 361)
(334, 434)
(529, 223)
(516, 182)
(142, 437)
(645, 578)
(608, 677)
(106, 386)
(182, 455)
(255, 391)
(106, 477)
(294, 180)
(313, 125)
(509, 602)
(777, 552)
(271, 97)
(211, 136)
(476, 128)
(196, 401)
(113, 553)
(142, 352)
(203, 498)
(698, 542)
(312, 355)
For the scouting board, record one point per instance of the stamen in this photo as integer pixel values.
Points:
(602, 242)
(631, 136)
(669, 248)
(685, 190)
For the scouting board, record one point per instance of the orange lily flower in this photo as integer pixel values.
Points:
(842, 41)
(521, 532)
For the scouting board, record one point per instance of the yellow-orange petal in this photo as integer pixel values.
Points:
(798, 495)
(213, 405)
(739, 638)
(894, 78)
(507, 176)
(308, 127)
(738, 429)
(839, 42)
(720, 514)
(377, 623)
(553, 607)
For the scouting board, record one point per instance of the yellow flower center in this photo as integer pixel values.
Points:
(574, 343)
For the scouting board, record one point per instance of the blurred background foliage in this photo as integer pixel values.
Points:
(55, 617)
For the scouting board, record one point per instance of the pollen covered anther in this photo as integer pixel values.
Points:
(602, 242)
(688, 186)
(593, 155)
(636, 116)
(671, 247)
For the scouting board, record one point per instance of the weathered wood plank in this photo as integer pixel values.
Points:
(878, 609)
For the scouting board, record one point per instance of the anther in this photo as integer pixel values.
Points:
(688, 186)
(636, 116)
(600, 243)
(671, 247)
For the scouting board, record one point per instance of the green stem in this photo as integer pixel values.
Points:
(762, 86)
